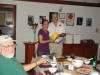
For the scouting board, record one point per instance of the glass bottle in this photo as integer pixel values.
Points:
(95, 62)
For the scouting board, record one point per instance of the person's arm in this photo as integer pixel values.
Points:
(28, 67)
(44, 41)
(0, 49)
(62, 35)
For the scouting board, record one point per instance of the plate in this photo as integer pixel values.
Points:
(63, 74)
(81, 58)
(84, 70)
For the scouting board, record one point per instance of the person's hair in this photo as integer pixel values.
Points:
(44, 21)
(55, 13)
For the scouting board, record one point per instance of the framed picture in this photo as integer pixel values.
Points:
(41, 18)
(9, 19)
(30, 19)
(63, 21)
(79, 20)
(2, 19)
(88, 21)
(50, 16)
(61, 15)
(70, 19)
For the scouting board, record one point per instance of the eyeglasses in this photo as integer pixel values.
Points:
(10, 46)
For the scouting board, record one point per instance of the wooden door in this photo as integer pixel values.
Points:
(29, 53)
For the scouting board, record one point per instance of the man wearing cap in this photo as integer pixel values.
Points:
(8, 63)
(59, 28)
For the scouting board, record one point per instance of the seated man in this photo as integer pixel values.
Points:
(8, 63)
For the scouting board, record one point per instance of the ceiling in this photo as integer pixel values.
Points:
(87, 1)
(92, 3)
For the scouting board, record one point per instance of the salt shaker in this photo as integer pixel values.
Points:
(71, 67)
(54, 58)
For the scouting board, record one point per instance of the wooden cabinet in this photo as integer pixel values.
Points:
(84, 50)
(29, 53)
(67, 49)
(72, 49)
(90, 51)
(77, 50)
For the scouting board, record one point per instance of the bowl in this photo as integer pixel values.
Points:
(53, 64)
(44, 56)
(77, 63)
(52, 69)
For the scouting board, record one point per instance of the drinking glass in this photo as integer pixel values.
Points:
(60, 67)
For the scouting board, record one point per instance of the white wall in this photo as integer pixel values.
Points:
(25, 33)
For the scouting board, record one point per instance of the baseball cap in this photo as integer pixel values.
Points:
(5, 39)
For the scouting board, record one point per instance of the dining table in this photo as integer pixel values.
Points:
(62, 69)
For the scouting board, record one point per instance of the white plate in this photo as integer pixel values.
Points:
(84, 72)
(44, 56)
(63, 74)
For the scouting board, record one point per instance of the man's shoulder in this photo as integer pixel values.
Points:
(50, 26)
(51, 23)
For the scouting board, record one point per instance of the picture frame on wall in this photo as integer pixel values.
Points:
(70, 19)
(61, 15)
(30, 20)
(9, 18)
(41, 19)
(79, 21)
(50, 16)
(88, 21)
(62, 21)
(2, 19)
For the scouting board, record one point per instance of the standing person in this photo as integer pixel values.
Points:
(8, 63)
(43, 38)
(57, 27)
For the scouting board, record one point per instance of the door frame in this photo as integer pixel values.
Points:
(13, 7)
